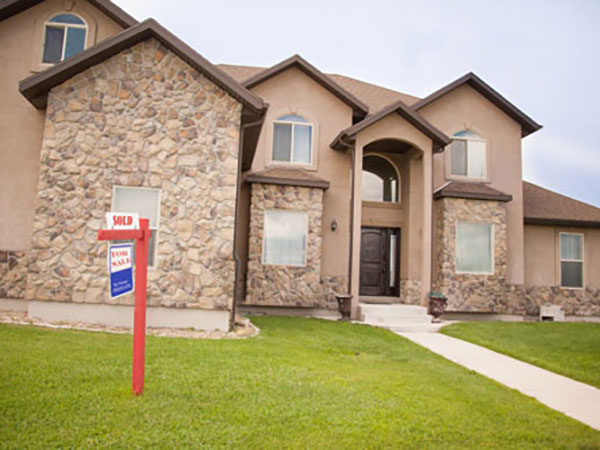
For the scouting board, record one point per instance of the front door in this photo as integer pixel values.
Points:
(379, 261)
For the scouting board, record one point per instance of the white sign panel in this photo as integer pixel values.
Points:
(120, 268)
(122, 221)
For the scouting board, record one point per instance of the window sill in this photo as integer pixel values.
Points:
(468, 179)
(291, 165)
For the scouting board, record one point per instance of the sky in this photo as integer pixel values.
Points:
(543, 56)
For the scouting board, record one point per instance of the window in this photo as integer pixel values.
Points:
(145, 202)
(284, 238)
(468, 155)
(571, 260)
(380, 181)
(474, 248)
(292, 140)
(64, 37)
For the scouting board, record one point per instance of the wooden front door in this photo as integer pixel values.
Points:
(379, 261)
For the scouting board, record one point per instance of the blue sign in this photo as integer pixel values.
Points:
(120, 268)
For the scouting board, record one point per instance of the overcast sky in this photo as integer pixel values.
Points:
(544, 56)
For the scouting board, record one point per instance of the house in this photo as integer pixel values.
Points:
(266, 188)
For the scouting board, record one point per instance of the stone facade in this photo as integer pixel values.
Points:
(411, 292)
(270, 285)
(141, 118)
(576, 302)
(474, 292)
(13, 274)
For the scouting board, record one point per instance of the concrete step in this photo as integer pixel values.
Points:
(392, 309)
(395, 319)
(379, 300)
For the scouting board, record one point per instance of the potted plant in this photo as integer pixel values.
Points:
(437, 305)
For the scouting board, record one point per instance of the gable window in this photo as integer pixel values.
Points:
(474, 248)
(571, 260)
(64, 36)
(380, 181)
(292, 139)
(146, 203)
(468, 155)
(284, 237)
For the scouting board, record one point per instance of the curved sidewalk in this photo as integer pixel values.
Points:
(577, 400)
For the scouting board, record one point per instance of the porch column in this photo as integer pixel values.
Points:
(356, 227)
(427, 224)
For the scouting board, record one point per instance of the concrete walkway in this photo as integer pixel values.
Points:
(577, 400)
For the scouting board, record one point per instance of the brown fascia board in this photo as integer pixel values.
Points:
(264, 179)
(561, 222)
(473, 196)
(36, 87)
(9, 8)
(346, 137)
(359, 108)
(528, 125)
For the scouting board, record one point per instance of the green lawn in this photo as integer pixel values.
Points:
(301, 384)
(571, 349)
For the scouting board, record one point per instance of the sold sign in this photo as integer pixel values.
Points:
(122, 221)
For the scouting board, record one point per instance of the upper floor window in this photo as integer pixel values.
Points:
(64, 37)
(468, 155)
(571, 260)
(380, 181)
(292, 140)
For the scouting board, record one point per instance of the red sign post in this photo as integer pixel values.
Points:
(142, 238)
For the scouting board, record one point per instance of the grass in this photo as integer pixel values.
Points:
(301, 384)
(570, 349)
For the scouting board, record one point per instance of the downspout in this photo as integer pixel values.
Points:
(238, 188)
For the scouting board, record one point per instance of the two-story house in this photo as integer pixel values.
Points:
(266, 188)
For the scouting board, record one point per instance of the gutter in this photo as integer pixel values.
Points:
(238, 188)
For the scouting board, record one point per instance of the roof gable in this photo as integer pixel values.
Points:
(359, 108)
(528, 125)
(36, 87)
(9, 8)
(440, 140)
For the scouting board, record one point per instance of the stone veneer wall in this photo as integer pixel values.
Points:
(411, 292)
(142, 118)
(474, 292)
(291, 286)
(13, 274)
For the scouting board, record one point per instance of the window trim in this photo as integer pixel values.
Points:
(582, 260)
(155, 230)
(492, 252)
(308, 123)
(264, 238)
(399, 187)
(47, 23)
(450, 175)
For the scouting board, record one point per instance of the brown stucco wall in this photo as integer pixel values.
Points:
(466, 109)
(542, 270)
(275, 285)
(21, 125)
(141, 118)
(293, 92)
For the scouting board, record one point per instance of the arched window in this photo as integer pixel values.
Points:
(65, 36)
(380, 180)
(468, 155)
(292, 139)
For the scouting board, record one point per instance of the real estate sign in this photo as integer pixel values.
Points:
(120, 268)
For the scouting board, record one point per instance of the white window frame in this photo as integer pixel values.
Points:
(47, 24)
(492, 252)
(561, 260)
(155, 230)
(486, 153)
(264, 239)
(292, 123)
